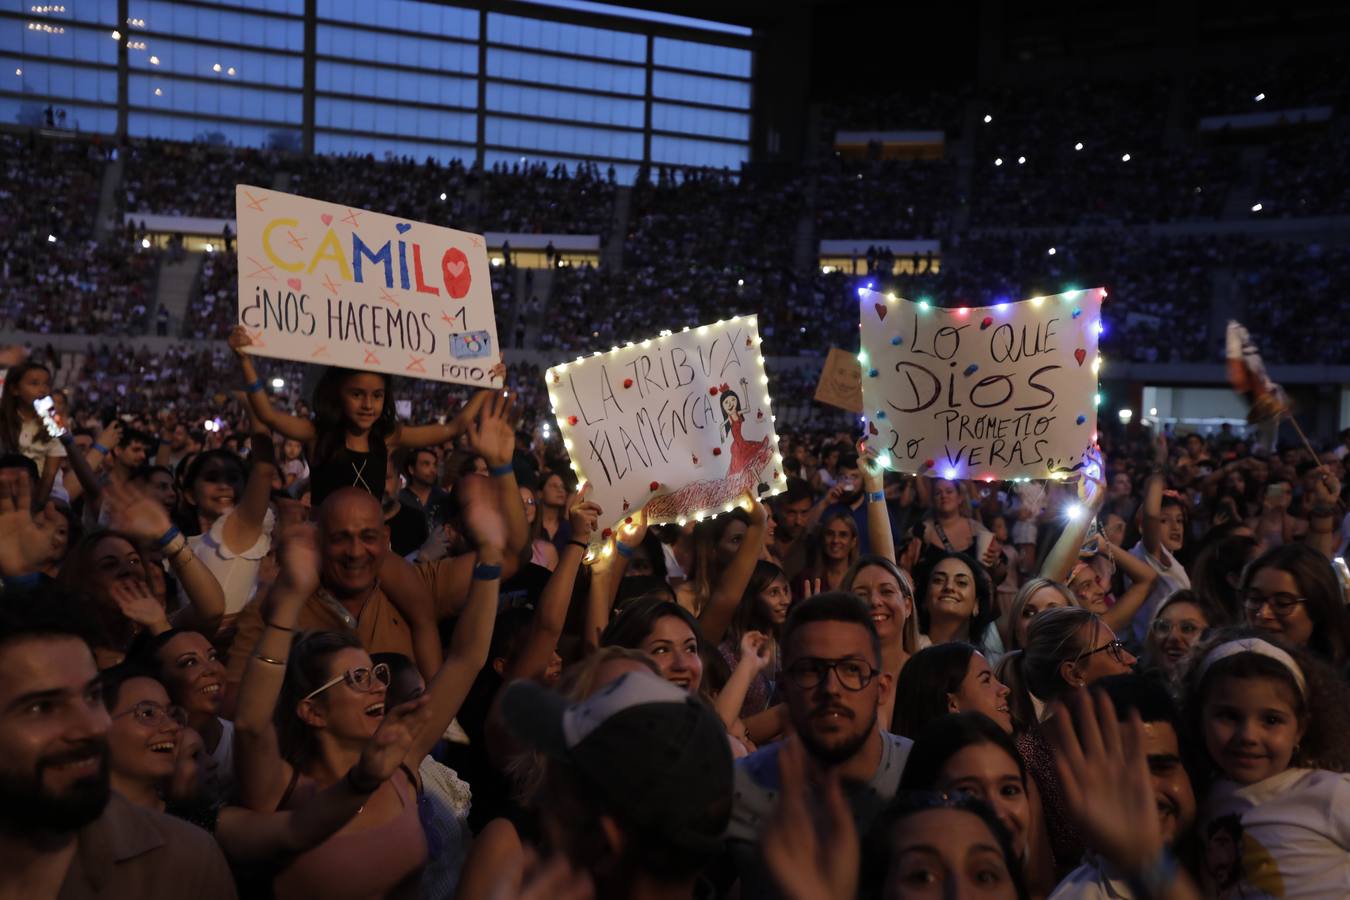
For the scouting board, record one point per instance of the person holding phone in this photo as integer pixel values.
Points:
(22, 429)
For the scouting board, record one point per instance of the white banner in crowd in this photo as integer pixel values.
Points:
(990, 392)
(680, 423)
(324, 283)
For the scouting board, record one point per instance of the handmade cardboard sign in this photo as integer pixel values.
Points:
(680, 424)
(324, 283)
(840, 381)
(994, 392)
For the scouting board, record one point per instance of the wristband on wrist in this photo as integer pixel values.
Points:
(505, 468)
(254, 387)
(486, 572)
(66, 439)
(582, 544)
(357, 785)
(29, 579)
(623, 549)
(168, 536)
(876, 496)
(100, 448)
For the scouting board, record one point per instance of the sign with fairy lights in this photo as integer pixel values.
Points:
(324, 283)
(993, 392)
(680, 424)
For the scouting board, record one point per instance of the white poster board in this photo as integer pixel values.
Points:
(324, 283)
(680, 423)
(991, 392)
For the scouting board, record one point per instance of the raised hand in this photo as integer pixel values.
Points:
(810, 587)
(134, 599)
(484, 522)
(811, 857)
(111, 436)
(759, 513)
(1160, 450)
(26, 544)
(634, 532)
(873, 475)
(389, 745)
(299, 559)
(756, 650)
(492, 436)
(136, 512)
(239, 341)
(583, 514)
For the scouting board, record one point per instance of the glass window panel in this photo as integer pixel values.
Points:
(698, 89)
(57, 80)
(187, 128)
(430, 19)
(206, 98)
(188, 58)
(403, 50)
(538, 34)
(86, 119)
(73, 42)
(102, 12)
(687, 152)
(697, 121)
(531, 101)
(570, 139)
(701, 57)
(290, 7)
(408, 121)
(384, 147)
(229, 26)
(565, 72)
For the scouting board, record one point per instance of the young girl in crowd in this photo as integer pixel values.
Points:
(830, 553)
(1164, 520)
(1180, 624)
(294, 468)
(1035, 596)
(1274, 723)
(1293, 593)
(22, 431)
(354, 428)
(889, 593)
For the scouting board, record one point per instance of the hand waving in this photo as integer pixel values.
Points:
(239, 341)
(134, 599)
(492, 436)
(136, 512)
(389, 745)
(583, 514)
(300, 559)
(27, 542)
(811, 857)
(873, 475)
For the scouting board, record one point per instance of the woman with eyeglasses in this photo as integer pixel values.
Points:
(1067, 648)
(1293, 593)
(143, 735)
(1181, 622)
(309, 706)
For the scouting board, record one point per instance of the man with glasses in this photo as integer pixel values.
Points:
(833, 686)
(63, 832)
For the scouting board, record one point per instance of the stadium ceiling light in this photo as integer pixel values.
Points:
(1078, 146)
(1125, 158)
(216, 67)
(1257, 207)
(51, 239)
(116, 35)
(154, 60)
(988, 118)
(230, 70)
(18, 72)
(1259, 97)
(1051, 251)
(442, 195)
(1021, 160)
(999, 161)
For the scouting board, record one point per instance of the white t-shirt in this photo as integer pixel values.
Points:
(1287, 836)
(236, 572)
(1171, 578)
(1092, 881)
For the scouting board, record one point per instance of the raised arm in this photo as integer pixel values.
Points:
(756, 654)
(85, 481)
(436, 434)
(1060, 560)
(606, 573)
(140, 515)
(730, 588)
(293, 427)
(412, 597)
(492, 437)
(27, 543)
(551, 615)
(263, 774)
(473, 632)
(879, 535)
(1153, 494)
(249, 836)
(1141, 576)
(244, 526)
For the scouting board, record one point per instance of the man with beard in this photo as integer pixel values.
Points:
(1096, 879)
(792, 515)
(62, 832)
(833, 685)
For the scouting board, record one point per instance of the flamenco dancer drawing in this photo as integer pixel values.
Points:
(746, 459)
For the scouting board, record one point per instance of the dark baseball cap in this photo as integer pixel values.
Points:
(658, 757)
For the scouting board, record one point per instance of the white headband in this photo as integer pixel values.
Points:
(1260, 648)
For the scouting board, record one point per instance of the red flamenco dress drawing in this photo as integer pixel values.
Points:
(747, 460)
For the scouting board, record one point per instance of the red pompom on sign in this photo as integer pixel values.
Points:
(655, 485)
(571, 420)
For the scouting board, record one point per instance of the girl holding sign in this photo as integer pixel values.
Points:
(353, 429)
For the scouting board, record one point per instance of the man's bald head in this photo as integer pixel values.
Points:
(353, 539)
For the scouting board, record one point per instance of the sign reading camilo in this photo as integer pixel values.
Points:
(992, 392)
(680, 424)
(324, 283)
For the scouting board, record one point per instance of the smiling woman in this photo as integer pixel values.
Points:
(143, 738)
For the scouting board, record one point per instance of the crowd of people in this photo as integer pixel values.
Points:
(325, 648)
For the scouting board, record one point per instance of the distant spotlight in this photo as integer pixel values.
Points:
(116, 35)
(988, 118)
(18, 72)
(278, 383)
(740, 282)
(1021, 160)
(216, 67)
(159, 92)
(145, 243)
(154, 60)
(210, 248)
(1126, 414)
(51, 239)
(999, 161)
(1153, 410)
(1259, 97)
(1256, 207)
(442, 195)
(1125, 158)
(1051, 251)
(230, 70)
(1078, 146)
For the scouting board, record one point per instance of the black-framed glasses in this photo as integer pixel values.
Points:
(1282, 605)
(361, 679)
(1116, 648)
(152, 714)
(852, 674)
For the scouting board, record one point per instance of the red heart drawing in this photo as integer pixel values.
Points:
(293, 283)
(872, 428)
(1080, 354)
(881, 310)
(326, 219)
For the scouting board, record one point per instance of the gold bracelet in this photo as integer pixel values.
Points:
(269, 660)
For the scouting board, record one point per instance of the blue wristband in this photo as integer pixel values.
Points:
(168, 537)
(876, 496)
(505, 468)
(100, 448)
(254, 387)
(486, 572)
(623, 549)
(28, 580)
